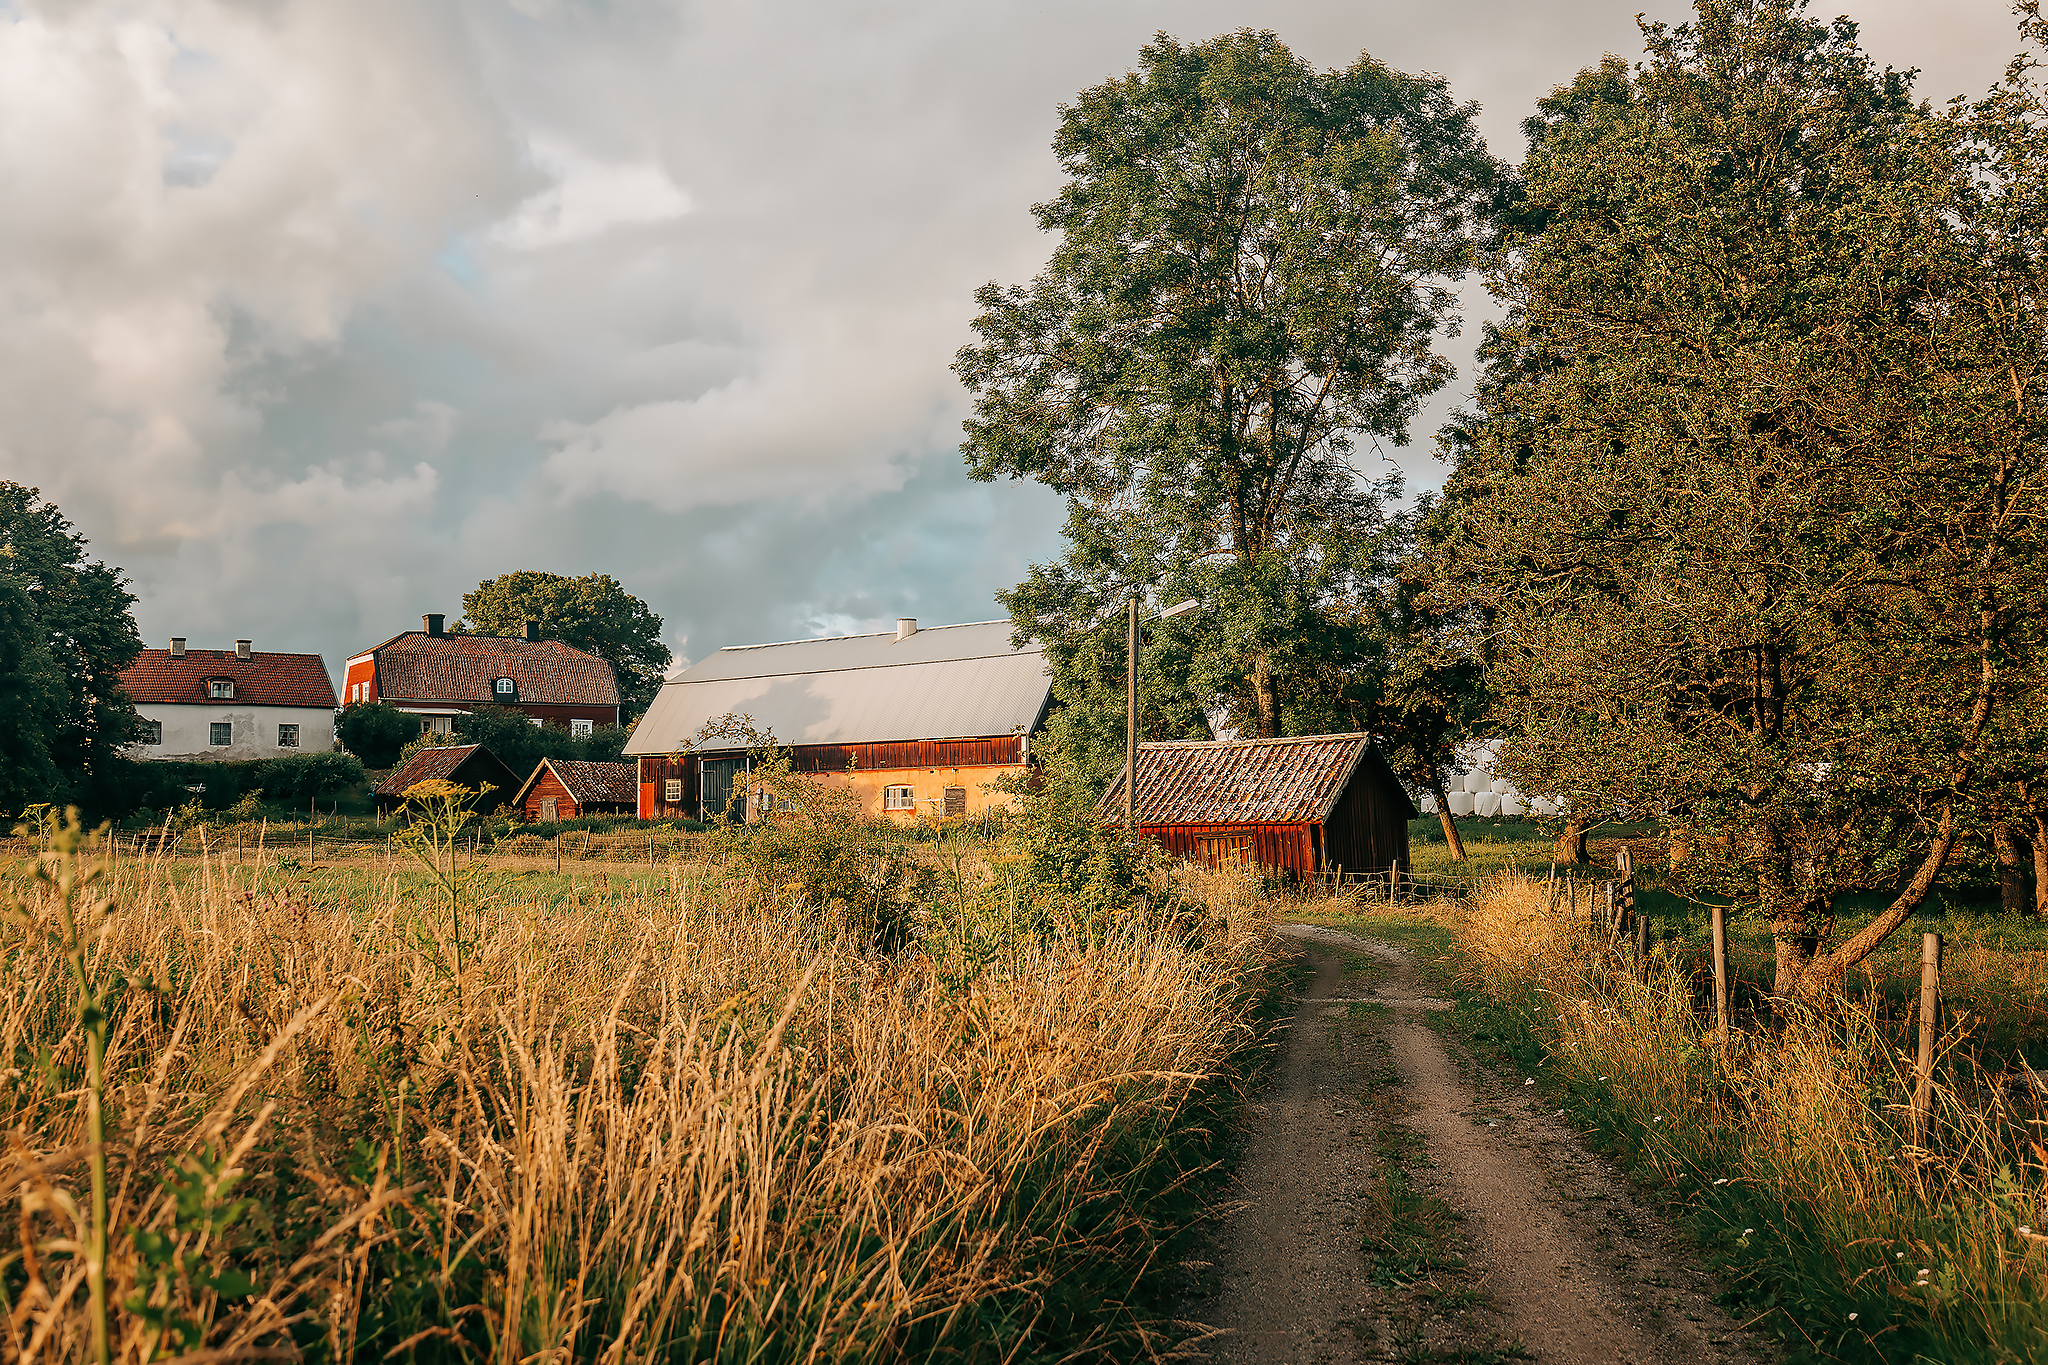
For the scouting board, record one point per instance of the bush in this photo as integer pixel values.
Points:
(301, 777)
(1071, 850)
(520, 744)
(376, 731)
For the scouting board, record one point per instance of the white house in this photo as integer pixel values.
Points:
(219, 704)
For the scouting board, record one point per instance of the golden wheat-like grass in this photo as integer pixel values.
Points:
(688, 1123)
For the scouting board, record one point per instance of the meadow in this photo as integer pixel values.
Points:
(479, 1111)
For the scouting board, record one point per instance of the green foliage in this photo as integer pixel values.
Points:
(32, 704)
(1754, 496)
(296, 777)
(592, 613)
(376, 731)
(79, 607)
(1253, 258)
(520, 744)
(1091, 865)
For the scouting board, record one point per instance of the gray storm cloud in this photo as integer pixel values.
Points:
(314, 314)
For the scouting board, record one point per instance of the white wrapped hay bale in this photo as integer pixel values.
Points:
(1427, 805)
(1511, 804)
(1543, 805)
(1477, 782)
(1461, 803)
(1503, 787)
(1487, 805)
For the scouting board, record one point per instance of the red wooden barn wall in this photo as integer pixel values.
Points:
(1285, 848)
(549, 785)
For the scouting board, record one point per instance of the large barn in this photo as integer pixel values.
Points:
(918, 722)
(1314, 804)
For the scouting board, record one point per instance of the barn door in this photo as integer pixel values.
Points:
(550, 809)
(719, 775)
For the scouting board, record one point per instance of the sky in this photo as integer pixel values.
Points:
(314, 313)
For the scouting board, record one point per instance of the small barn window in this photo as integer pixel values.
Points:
(672, 791)
(152, 732)
(899, 798)
(221, 689)
(505, 688)
(287, 736)
(220, 732)
(580, 727)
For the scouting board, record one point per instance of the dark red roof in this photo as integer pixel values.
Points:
(260, 680)
(417, 667)
(591, 783)
(440, 761)
(1246, 781)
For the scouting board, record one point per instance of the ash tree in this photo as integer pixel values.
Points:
(1253, 258)
(1754, 492)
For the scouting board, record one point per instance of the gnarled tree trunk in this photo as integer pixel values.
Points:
(1443, 813)
(1571, 842)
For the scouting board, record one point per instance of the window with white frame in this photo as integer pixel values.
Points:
(505, 689)
(220, 689)
(672, 791)
(899, 798)
(287, 736)
(220, 732)
(152, 732)
(580, 727)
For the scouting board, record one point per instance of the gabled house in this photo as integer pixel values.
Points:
(918, 722)
(1312, 804)
(469, 765)
(564, 789)
(220, 704)
(437, 677)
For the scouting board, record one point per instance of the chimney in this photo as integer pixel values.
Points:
(177, 646)
(242, 650)
(433, 620)
(532, 629)
(906, 626)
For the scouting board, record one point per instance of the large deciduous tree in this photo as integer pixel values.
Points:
(80, 617)
(1756, 487)
(592, 613)
(1253, 259)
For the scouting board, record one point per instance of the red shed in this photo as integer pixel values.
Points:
(562, 789)
(1309, 804)
(469, 765)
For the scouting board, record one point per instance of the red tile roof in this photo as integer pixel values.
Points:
(260, 680)
(417, 667)
(439, 761)
(601, 782)
(1244, 781)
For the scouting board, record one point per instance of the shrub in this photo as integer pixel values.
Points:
(300, 777)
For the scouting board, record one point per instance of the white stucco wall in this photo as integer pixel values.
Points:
(187, 731)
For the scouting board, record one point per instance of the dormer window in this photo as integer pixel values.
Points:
(504, 689)
(220, 689)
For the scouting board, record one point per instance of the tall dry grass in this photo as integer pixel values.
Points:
(1791, 1145)
(693, 1125)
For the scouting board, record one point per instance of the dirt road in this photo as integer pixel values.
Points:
(1399, 1202)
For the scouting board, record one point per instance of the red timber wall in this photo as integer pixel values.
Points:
(1292, 848)
(874, 761)
(549, 786)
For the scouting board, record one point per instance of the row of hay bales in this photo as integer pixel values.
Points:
(1476, 791)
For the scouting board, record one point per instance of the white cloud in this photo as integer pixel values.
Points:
(589, 198)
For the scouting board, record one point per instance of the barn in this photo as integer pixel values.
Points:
(916, 722)
(1313, 804)
(564, 789)
(470, 765)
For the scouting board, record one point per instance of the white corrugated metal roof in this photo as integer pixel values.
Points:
(944, 682)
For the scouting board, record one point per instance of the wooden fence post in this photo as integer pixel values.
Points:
(1930, 1019)
(558, 850)
(1643, 947)
(1721, 1020)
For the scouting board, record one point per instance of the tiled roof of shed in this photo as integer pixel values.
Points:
(438, 761)
(416, 666)
(1241, 781)
(589, 782)
(260, 680)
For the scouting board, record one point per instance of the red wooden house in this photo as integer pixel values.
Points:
(563, 789)
(437, 677)
(1306, 805)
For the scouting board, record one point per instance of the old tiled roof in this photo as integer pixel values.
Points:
(590, 782)
(1244, 781)
(441, 761)
(417, 667)
(261, 680)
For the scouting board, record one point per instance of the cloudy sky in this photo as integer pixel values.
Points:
(315, 312)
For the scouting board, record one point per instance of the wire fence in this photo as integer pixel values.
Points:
(651, 847)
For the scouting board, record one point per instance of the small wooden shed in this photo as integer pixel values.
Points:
(563, 789)
(1312, 804)
(471, 765)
